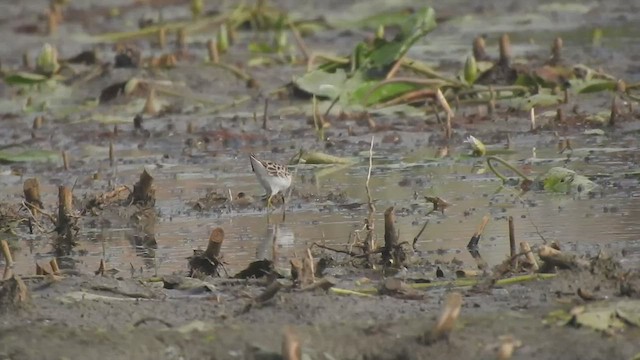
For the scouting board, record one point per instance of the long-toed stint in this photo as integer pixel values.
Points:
(273, 177)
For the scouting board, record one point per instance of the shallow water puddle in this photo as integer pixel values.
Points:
(584, 224)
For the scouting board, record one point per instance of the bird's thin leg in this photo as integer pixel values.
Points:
(284, 207)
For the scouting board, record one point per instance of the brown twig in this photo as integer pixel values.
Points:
(265, 114)
(473, 243)
(299, 41)
(512, 243)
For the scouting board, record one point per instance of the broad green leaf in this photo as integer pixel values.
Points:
(563, 180)
(416, 27)
(322, 83)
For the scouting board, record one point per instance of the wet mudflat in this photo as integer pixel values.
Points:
(323, 284)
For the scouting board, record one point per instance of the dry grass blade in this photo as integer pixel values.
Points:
(443, 103)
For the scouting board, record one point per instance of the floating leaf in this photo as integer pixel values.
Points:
(8, 157)
(322, 158)
(322, 83)
(629, 311)
(599, 318)
(563, 180)
(594, 85)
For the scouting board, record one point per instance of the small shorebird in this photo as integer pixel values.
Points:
(273, 177)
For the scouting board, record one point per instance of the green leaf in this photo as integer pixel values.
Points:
(322, 83)
(322, 158)
(25, 78)
(563, 180)
(377, 93)
(417, 26)
(595, 85)
(261, 48)
(8, 157)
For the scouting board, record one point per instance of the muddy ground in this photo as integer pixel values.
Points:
(138, 318)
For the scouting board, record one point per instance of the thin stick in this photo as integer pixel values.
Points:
(415, 239)
(614, 111)
(111, 155)
(533, 119)
(447, 132)
(394, 69)
(65, 160)
(370, 201)
(212, 47)
(6, 252)
(512, 242)
(265, 117)
(299, 41)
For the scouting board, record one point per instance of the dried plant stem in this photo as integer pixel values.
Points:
(526, 250)
(444, 103)
(215, 243)
(111, 155)
(473, 243)
(299, 41)
(212, 47)
(8, 259)
(65, 160)
(448, 131)
(372, 208)
(533, 119)
(265, 114)
(512, 243)
(54, 266)
(162, 38)
(394, 69)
